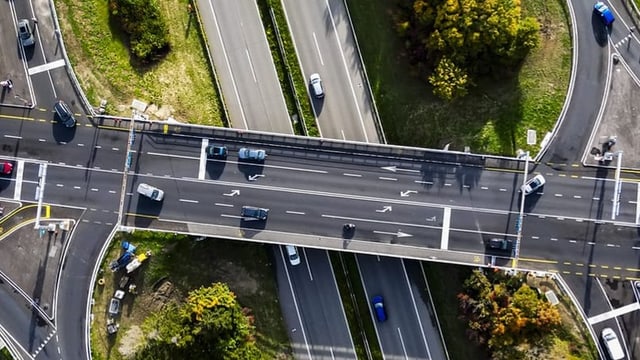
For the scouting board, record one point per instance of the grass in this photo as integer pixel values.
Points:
(445, 282)
(189, 264)
(355, 305)
(181, 84)
(287, 65)
(495, 115)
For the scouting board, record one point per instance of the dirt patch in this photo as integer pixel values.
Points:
(131, 341)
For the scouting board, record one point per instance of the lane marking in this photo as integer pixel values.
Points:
(352, 175)
(446, 221)
(46, 67)
(13, 137)
(203, 159)
(638, 204)
(614, 313)
(189, 201)
(221, 204)
(17, 191)
(253, 72)
(295, 212)
(315, 41)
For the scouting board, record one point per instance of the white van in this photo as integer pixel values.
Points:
(611, 342)
(292, 253)
(151, 192)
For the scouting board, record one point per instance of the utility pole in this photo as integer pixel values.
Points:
(521, 214)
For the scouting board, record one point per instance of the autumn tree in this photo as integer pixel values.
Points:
(460, 37)
(503, 311)
(210, 324)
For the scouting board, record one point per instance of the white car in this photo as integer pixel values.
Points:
(292, 253)
(612, 344)
(151, 192)
(316, 86)
(533, 184)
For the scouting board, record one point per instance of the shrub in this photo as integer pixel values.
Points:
(142, 20)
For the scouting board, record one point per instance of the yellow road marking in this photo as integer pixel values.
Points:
(544, 261)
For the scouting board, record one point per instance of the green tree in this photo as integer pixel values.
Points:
(210, 324)
(478, 37)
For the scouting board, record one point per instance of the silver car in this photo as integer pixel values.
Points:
(25, 34)
(533, 184)
(252, 154)
(151, 192)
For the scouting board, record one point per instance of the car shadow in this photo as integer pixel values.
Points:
(251, 227)
(29, 51)
(61, 133)
(147, 211)
(531, 200)
(251, 170)
(215, 168)
(600, 30)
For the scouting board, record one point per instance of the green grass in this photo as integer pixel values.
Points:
(182, 82)
(5, 354)
(495, 115)
(188, 264)
(445, 283)
(355, 305)
(287, 64)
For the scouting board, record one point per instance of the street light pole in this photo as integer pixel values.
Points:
(521, 214)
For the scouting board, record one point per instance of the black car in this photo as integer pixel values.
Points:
(500, 244)
(253, 212)
(214, 151)
(64, 114)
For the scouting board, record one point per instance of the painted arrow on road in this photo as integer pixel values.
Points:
(385, 209)
(395, 168)
(406, 193)
(254, 177)
(233, 193)
(399, 233)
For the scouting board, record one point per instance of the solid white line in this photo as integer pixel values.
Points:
(614, 313)
(404, 349)
(13, 137)
(415, 309)
(173, 155)
(295, 302)
(17, 191)
(446, 221)
(45, 67)
(315, 41)
(638, 204)
(203, 159)
(189, 201)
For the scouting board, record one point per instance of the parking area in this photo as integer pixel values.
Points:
(618, 125)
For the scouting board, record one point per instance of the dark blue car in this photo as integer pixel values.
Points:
(378, 307)
(605, 13)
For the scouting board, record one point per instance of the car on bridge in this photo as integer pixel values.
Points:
(500, 244)
(252, 154)
(6, 168)
(252, 212)
(605, 13)
(532, 185)
(151, 192)
(214, 151)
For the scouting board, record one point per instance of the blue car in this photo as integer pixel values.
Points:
(378, 307)
(605, 13)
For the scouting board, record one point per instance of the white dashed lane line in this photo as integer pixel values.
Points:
(189, 201)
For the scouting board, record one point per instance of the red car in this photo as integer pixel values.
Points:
(6, 168)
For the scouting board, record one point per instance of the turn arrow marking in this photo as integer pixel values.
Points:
(399, 233)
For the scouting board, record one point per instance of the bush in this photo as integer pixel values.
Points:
(142, 20)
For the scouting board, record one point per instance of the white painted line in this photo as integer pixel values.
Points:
(253, 72)
(423, 182)
(98, 147)
(295, 212)
(502, 189)
(46, 67)
(221, 204)
(115, 149)
(577, 197)
(189, 201)
(446, 221)
(42, 140)
(94, 189)
(112, 191)
(59, 185)
(638, 204)
(17, 191)
(13, 137)
(80, 144)
(614, 313)
(203, 159)
(315, 41)
(352, 175)
(484, 188)
(447, 184)
(387, 178)
(173, 155)
(77, 187)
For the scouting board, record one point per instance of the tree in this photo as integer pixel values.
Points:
(142, 20)
(210, 324)
(474, 36)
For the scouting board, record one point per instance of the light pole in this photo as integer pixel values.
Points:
(521, 214)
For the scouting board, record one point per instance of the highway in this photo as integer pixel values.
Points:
(325, 44)
(567, 227)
